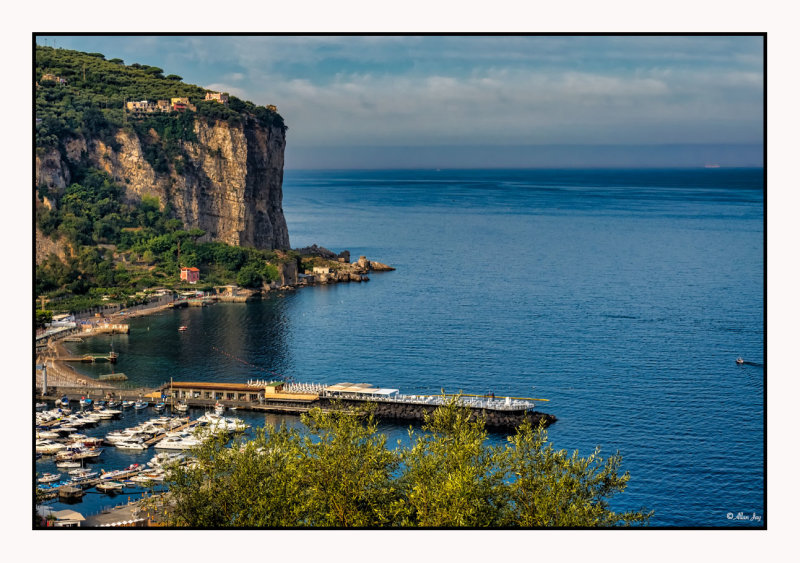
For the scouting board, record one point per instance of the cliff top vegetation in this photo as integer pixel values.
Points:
(89, 93)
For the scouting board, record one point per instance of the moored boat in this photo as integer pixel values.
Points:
(131, 445)
(109, 486)
(68, 464)
(48, 447)
(49, 478)
(140, 405)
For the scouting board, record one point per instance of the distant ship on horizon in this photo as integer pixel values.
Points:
(712, 165)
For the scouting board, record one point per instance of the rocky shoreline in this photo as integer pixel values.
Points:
(327, 268)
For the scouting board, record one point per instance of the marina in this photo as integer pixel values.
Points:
(92, 452)
(73, 468)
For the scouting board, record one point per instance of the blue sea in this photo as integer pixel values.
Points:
(623, 297)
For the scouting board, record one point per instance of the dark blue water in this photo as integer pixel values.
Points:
(623, 297)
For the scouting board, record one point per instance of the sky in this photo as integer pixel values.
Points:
(485, 101)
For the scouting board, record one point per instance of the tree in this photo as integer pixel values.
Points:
(451, 478)
(348, 471)
(339, 473)
(43, 317)
(249, 276)
(551, 488)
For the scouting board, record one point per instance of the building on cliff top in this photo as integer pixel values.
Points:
(217, 97)
(182, 104)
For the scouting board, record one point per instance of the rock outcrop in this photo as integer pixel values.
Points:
(229, 182)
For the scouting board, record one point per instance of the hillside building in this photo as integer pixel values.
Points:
(191, 275)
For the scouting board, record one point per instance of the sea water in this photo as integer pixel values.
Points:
(622, 297)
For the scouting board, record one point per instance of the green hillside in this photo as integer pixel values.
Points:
(91, 100)
(116, 248)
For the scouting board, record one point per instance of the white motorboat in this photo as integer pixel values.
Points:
(219, 409)
(68, 464)
(83, 472)
(182, 407)
(48, 447)
(131, 445)
(109, 487)
(140, 405)
(180, 441)
(49, 477)
(163, 459)
(127, 404)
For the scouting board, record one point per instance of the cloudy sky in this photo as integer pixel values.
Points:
(467, 101)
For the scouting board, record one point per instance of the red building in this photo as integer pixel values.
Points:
(191, 275)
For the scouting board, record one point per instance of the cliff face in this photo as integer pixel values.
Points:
(230, 185)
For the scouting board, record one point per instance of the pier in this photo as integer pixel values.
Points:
(298, 398)
(286, 398)
(111, 357)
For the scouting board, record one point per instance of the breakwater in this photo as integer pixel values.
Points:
(278, 397)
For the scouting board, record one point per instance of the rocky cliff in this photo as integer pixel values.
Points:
(228, 182)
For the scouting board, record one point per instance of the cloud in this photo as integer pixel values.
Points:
(385, 90)
(520, 106)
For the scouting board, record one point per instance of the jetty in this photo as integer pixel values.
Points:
(298, 398)
(280, 397)
(110, 357)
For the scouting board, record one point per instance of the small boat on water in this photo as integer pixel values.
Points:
(48, 447)
(114, 404)
(127, 404)
(41, 406)
(88, 473)
(182, 407)
(219, 409)
(49, 477)
(85, 403)
(129, 471)
(183, 328)
(131, 445)
(140, 405)
(160, 407)
(739, 361)
(109, 487)
(64, 401)
(68, 464)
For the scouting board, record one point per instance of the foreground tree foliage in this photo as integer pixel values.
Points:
(340, 473)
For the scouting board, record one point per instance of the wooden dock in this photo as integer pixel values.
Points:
(111, 357)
